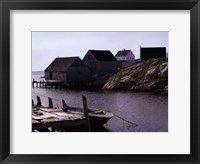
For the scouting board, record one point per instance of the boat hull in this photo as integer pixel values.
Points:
(97, 120)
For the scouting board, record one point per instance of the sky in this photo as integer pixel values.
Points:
(46, 46)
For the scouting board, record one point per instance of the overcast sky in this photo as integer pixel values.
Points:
(46, 46)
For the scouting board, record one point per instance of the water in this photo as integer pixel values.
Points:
(149, 112)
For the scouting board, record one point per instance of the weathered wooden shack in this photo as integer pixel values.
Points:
(70, 70)
(100, 62)
(125, 55)
(152, 52)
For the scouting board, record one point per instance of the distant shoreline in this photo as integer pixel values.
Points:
(37, 71)
(147, 76)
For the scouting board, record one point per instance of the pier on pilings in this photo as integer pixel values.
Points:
(47, 83)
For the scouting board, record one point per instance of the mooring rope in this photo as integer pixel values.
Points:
(132, 123)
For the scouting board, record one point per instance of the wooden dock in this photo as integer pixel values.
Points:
(44, 118)
(47, 83)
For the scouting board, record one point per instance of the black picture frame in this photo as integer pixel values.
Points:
(7, 5)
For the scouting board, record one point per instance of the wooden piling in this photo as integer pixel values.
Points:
(33, 82)
(65, 107)
(33, 103)
(85, 108)
(50, 103)
(38, 101)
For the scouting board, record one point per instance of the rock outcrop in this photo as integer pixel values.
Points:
(147, 76)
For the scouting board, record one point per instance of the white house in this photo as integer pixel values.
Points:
(125, 55)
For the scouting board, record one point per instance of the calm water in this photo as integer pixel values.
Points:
(149, 112)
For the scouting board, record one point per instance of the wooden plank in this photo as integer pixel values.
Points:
(50, 109)
(76, 112)
(76, 115)
(35, 121)
(40, 114)
(60, 124)
(54, 120)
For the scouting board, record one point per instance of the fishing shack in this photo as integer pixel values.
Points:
(147, 53)
(100, 62)
(70, 70)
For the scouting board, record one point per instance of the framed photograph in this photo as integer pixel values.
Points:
(101, 71)
(99, 81)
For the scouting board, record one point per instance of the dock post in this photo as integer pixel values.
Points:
(38, 101)
(65, 107)
(85, 108)
(50, 103)
(32, 102)
(33, 83)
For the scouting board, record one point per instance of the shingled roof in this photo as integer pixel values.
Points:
(122, 53)
(61, 64)
(103, 55)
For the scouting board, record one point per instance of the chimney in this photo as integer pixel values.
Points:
(124, 49)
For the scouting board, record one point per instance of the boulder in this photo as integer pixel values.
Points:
(110, 85)
(147, 88)
(127, 79)
(162, 66)
(164, 72)
(151, 73)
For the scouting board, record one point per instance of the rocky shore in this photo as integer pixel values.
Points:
(146, 76)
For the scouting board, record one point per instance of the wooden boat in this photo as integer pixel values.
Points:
(96, 118)
(44, 119)
(99, 118)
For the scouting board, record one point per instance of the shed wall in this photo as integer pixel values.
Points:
(106, 67)
(47, 75)
(90, 62)
(78, 74)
